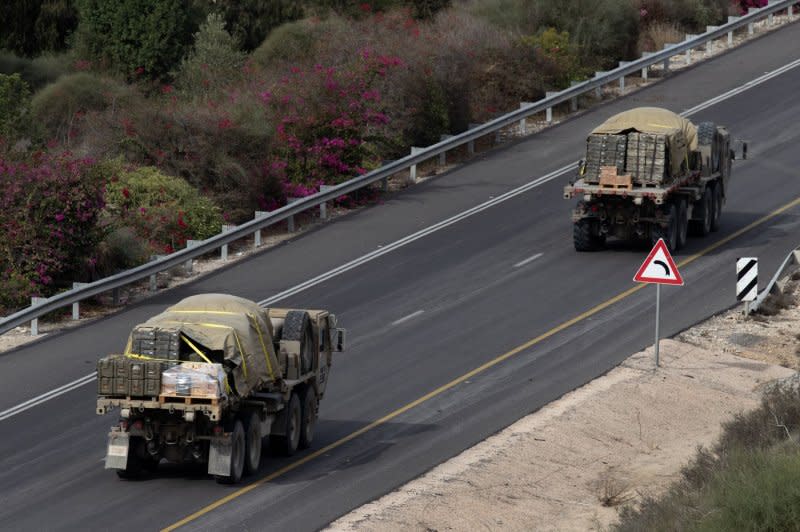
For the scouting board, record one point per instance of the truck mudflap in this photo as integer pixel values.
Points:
(117, 450)
(219, 455)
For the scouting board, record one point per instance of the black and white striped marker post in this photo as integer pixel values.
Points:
(746, 280)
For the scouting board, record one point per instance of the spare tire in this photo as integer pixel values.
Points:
(706, 133)
(297, 327)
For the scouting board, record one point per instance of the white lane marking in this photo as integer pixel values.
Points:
(416, 236)
(30, 403)
(409, 317)
(419, 234)
(529, 259)
(738, 90)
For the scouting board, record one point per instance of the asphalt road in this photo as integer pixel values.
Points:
(469, 293)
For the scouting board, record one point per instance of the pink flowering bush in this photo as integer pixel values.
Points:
(330, 122)
(49, 213)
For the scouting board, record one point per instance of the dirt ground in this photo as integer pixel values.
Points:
(572, 464)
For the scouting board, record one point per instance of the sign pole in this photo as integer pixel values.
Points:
(658, 308)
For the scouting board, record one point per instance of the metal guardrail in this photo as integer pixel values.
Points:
(790, 266)
(41, 307)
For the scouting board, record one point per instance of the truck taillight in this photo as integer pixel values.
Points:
(217, 430)
(138, 425)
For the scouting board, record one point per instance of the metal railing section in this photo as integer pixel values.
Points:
(195, 249)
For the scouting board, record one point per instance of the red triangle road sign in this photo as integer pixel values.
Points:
(659, 267)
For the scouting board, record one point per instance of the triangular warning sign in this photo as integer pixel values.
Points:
(659, 267)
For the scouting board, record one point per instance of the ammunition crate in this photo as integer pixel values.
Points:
(646, 158)
(604, 150)
(105, 386)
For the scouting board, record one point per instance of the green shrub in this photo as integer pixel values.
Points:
(120, 249)
(29, 28)
(757, 490)
(136, 38)
(36, 72)
(690, 15)
(298, 41)
(556, 48)
(59, 108)
(250, 21)
(214, 62)
(164, 211)
(15, 99)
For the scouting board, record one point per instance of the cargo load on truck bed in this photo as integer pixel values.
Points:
(651, 145)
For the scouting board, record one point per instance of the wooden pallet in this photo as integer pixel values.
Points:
(188, 400)
(609, 179)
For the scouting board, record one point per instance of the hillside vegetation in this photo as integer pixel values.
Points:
(128, 127)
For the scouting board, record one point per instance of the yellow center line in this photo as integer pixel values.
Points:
(441, 389)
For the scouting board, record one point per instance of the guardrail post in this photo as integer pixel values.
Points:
(770, 19)
(523, 125)
(257, 234)
(226, 228)
(323, 207)
(689, 37)
(412, 172)
(153, 277)
(187, 266)
(443, 155)
(598, 92)
(115, 296)
(471, 144)
(790, 12)
(549, 110)
(622, 78)
(290, 221)
(750, 28)
(76, 308)
(573, 102)
(710, 43)
(645, 70)
(35, 321)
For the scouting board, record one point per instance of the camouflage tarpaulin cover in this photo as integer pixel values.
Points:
(230, 326)
(656, 121)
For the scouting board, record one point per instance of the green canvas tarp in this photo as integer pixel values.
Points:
(680, 133)
(234, 327)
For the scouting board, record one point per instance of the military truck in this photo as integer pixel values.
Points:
(209, 378)
(650, 174)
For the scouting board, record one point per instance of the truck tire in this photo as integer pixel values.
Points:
(670, 233)
(253, 438)
(309, 419)
(136, 466)
(683, 224)
(297, 327)
(706, 133)
(585, 237)
(716, 207)
(287, 443)
(704, 206)
(238, 448)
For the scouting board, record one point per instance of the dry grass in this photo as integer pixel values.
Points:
(654, 36)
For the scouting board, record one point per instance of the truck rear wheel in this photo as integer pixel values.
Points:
(585, 236)
(309, 417)
(716, 208)
(670, 233)
(705, 206)
(238, 447)
(253, 439)
(683, 224)
(136, 465)
(287, 443)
